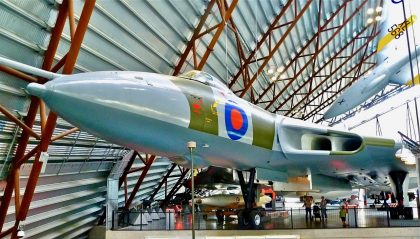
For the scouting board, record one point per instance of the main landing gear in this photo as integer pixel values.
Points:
(398, 178)
(249, 216)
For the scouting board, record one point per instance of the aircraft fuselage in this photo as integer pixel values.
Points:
(159, 114)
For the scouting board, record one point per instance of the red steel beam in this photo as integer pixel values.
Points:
(364, 45)
(311, 79)
(28, 155)
(140, 181)
(18, 74)
(264, 37)
(132, 156)
(163, 180)
(133, 170)
(275, 48)
(331, 73)
(299, 54)
(5, 233)
(64, 134)
(239, 47)
(373, 35)
(174, 188)
(17, 192)
(52, 117)
(55, 36)
(42, 114)
(30, 118)
(216, 36)
(191, 43)
(17, 121)
(313, 57)
(72, 23)
(76, 43)
(323, 104)
(59, 64)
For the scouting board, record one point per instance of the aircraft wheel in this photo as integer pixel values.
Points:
(220, 216)
(243, 219)
(255, 218)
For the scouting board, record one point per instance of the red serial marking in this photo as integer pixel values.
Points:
(236, 119)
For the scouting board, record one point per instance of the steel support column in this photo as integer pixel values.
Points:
(175, 188)
(52, 117)
(30, 118)
(163, 181)
(123, 178)
(132, 156)
(17, 121)
(139, 181)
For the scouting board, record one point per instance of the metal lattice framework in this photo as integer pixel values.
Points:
(21, 208)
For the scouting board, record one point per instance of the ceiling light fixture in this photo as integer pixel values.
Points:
(273, 78)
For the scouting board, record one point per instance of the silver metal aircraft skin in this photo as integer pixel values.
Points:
(393, 57)
(158, 114)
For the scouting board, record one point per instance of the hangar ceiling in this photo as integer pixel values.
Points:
(290, 57)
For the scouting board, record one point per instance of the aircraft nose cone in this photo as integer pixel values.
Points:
(37, 89)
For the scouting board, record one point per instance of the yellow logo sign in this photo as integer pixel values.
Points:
(395, 32)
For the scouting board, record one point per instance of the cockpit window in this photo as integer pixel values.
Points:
(205, 78)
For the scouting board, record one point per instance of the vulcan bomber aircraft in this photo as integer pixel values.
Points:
(397, 62)
(158, 114)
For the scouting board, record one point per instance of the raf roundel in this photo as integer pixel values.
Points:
(236, 121)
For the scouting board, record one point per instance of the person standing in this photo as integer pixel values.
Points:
(323, 206)
(343, 214)
(308, 206)
(353, 201)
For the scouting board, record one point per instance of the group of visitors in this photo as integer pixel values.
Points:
(307, 203)
(344, 207)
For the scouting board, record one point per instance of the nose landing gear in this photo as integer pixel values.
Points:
(249, 216)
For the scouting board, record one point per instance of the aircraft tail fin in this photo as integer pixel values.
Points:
(393, 35)
(28, 69)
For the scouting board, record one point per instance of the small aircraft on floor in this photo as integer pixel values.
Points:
(395, 60)
(158, 114)
(218, 192)
(227, 204)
